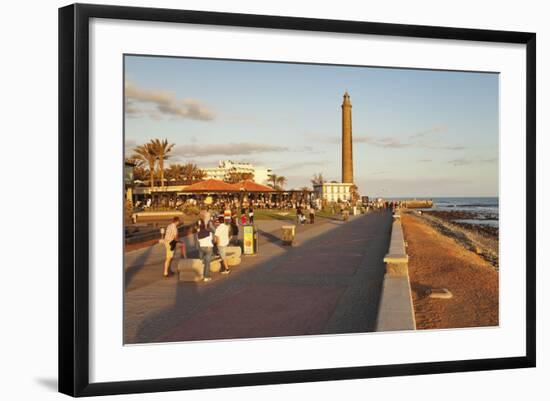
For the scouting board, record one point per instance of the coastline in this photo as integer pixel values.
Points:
(444, 257)
(480, 239)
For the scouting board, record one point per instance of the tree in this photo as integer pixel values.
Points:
(147, 154)
(141, 173)
(235, 177)
(281, 181)
(317, 179)
(276, 181)
(354, 193)
(191, 173)
(161, 150)
(137, 162)
(272, 180)
(184, 173)
(175, 172)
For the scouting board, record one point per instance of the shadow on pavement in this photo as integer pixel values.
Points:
(361, 296)
(137, 266)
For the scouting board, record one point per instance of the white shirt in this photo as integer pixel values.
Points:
(206, 242)
(222, 232)
(171, 232)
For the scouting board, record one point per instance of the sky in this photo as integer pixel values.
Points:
(420, 133)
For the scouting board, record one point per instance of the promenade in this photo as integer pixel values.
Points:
(328, 282)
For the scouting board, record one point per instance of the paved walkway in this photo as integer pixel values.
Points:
(328, 283)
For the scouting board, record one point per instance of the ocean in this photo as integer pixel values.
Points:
(485, 208)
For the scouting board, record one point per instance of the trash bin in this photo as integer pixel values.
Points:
(289, 232)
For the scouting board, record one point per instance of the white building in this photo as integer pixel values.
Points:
(226, 167)
(333, 191)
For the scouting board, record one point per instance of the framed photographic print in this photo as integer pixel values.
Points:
(250, 199)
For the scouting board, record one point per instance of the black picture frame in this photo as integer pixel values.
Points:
(74, 198)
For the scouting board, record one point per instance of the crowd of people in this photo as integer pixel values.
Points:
(214, 231)
(218, 227)
(178, 203)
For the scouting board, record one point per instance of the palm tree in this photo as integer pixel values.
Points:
(272, 180)
(235, 177)
(192, 173)
(140, 171)
(276, 181)
(317, 179)
(174, 172)
(147, 154)
(161, 149)
(281, 181)
(354, 193)
(137, 162)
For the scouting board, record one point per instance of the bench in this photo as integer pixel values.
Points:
(191, 270)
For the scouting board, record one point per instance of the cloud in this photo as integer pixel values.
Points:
(298, 165)
(129, 145)
(452, 147)
(464, 161)
(229, 149)
(416, 186)
(419, 140)
(460, 162)
(159, 104)
(384, 142)
(438, 129)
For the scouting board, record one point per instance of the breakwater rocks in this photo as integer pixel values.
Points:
(455, 217)
(480, 239)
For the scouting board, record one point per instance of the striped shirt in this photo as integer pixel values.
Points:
(171, 232)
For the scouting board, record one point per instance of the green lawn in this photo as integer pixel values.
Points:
(290, 215)
(275, 214)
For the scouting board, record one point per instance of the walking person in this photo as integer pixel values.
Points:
(205, 238)
(251, 215)
(221, 239)
(311, 214)
(170, 241)
(227, 212)
(234, 231)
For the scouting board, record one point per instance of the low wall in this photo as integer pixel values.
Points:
(183, 231)
(396, 311)
(158, 215)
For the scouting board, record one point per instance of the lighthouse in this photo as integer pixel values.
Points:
(347, 142)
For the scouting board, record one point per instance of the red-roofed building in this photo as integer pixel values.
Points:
(251, 186)
(212, 186)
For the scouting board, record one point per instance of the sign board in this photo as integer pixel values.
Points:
(248, 239)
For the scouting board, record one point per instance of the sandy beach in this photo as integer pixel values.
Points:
(439, 258)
